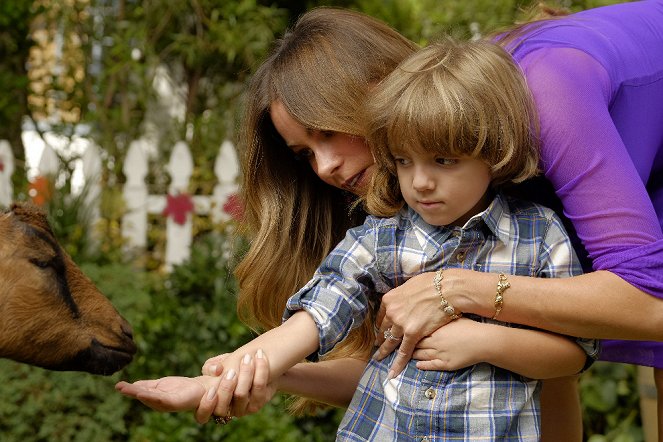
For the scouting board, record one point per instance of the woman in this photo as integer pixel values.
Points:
(314, 83)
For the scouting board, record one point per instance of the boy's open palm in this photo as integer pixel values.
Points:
(171, 393)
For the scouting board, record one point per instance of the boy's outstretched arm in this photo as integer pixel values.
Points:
(287, 344)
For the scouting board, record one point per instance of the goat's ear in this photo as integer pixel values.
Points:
(31, 214)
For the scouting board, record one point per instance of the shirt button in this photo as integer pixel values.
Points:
(460, 257)
(430, 393)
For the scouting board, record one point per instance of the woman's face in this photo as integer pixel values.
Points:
(340, 160)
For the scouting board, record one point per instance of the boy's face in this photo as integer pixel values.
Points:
(444, 191)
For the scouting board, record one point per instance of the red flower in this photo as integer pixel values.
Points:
(39, 190)
(234, 207)
(178, 207)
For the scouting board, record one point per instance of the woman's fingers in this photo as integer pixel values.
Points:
(260, 392)
(386, 324)
(244, 385)
(225, 394)
(391, 338)
(208, 403)
(213, 366)
(403, 356)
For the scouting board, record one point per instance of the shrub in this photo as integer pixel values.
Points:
(610, 402)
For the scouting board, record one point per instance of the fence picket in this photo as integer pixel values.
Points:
(6, 172)
(49, 164)
(226, 169)
(92, 175)
(134, 221)
(179, 233)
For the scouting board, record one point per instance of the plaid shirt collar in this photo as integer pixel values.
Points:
(496, 217)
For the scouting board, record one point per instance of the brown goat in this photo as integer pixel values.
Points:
(51, 314)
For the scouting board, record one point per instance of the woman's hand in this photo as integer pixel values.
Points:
(411, 311)
(245, 395)
(457, 345)
(214, 365)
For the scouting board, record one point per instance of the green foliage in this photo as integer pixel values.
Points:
(425, 20)
(610, 400)
(15, 44)
(70, 218)
(204, 49)
(45, 406)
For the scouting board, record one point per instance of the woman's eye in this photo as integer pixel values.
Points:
(402, 161)
(304, 155)
(327, 133)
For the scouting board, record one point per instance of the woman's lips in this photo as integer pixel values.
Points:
(353, 182)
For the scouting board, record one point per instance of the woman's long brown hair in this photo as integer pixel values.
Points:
(321, 71)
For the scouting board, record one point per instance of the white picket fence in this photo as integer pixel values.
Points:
(178, 205)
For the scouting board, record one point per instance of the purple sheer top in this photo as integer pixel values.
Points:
(597, 79)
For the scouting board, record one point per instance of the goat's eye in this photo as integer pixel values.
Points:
(41, 263)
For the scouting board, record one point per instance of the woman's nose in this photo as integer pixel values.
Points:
(327, 163)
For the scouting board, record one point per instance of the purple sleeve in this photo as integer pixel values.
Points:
(590, 168)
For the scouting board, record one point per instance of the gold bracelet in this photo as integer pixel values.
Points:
(502, 285)
(444, 304)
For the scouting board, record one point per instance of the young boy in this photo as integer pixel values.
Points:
(449, 125)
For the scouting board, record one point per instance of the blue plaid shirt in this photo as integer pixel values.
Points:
(481, 402)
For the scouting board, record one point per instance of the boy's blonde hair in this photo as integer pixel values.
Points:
(456, 98)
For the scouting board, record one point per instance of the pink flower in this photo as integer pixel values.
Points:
(178, 207)
(234, 207)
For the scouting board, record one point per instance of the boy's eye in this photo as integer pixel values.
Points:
(447, 161)
(327, 133)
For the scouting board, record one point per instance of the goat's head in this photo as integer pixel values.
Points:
(51, 314)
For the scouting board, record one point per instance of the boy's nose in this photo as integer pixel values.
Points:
(422, 180)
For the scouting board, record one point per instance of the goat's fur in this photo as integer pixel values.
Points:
(51, 314)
